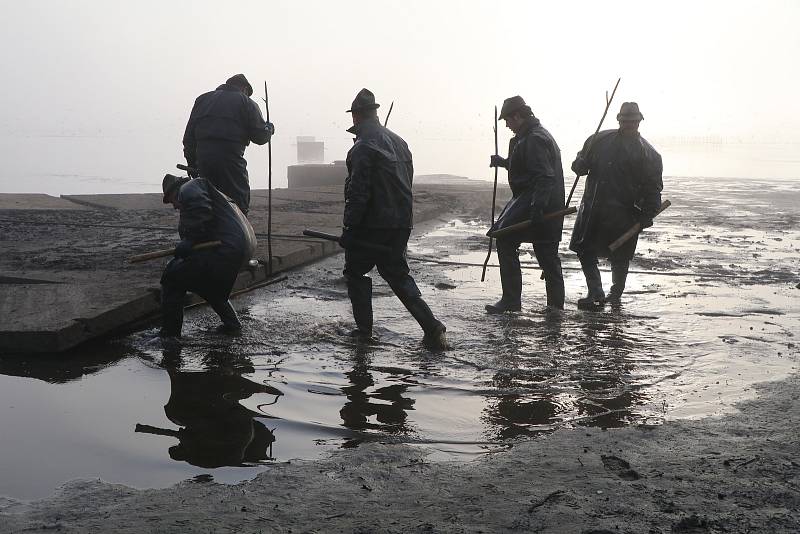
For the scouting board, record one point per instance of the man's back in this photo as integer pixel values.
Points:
(378, 187)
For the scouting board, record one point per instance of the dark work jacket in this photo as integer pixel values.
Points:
(624, 181)
(208, 215)
(536, 179)
(377, 191)
(227, 116)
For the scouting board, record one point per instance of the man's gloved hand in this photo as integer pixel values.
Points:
(645, 220)
(537, 217)
(497, 161)
(348, 236)
(270, 128)
(184, 248)
(192, 170)
(580, 166)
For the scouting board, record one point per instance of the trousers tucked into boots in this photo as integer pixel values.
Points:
(206, 274)
(511, 273)
(394, 269)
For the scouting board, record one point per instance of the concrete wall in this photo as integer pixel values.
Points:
(316, 174)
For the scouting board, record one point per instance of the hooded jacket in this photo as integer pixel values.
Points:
(377, 191)
(624, 184)
(536, 179)
(227, 115)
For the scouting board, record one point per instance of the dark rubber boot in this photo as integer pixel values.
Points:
(230, 321)
(171, 311)
(359, 289)
(511, 301)
(434, 329)
(501, 306)
(619, 274)
(595, 296)
(510, 279)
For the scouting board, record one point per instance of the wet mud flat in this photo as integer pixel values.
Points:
(676, 411)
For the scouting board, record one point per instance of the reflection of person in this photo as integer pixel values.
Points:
(378, 210)
(205, 215)
(222, 123)
(215, 429)
(389, 410)
(623, 188)
(537, 185)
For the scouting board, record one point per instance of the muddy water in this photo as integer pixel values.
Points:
(711, 308)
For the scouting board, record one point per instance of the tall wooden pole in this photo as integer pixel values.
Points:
(386, 121)
(269, 188)
(591, 140)
(494, 196)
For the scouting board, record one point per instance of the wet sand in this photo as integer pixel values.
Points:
(628, 419)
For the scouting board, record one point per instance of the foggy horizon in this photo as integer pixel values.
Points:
(97, 94)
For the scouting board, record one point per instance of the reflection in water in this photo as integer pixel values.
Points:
(583, 376)
(386, 403)
(608, 390)
(215, 429)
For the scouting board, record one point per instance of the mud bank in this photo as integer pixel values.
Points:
(739, 473)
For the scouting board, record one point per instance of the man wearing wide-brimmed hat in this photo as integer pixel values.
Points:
(623, 187)
(222, 123)
(378, 210)
(537, 185)
(205, 215)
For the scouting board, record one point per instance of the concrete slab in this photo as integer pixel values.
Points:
(33, 201)
(66, 279)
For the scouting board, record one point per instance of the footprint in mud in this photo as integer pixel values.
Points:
(619, 467)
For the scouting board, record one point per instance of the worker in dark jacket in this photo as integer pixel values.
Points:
(537, 185)
(623, 187)
(378, 210)
(205, 215)
(222, 123)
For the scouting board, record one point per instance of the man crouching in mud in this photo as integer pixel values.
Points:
(623, 187)
(205, 215)
(537, 185)
(378, 210)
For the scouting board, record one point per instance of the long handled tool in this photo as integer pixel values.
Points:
(494, 197)
(635, 229)
(269, 188)
(381, 249)
(169, 252)
(524, 225)
(190, 170)
(386, 120)
(591, 141)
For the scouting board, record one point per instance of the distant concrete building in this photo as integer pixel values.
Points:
(314, 174)
(309, 150)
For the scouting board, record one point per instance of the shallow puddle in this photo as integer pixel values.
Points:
(293, 386)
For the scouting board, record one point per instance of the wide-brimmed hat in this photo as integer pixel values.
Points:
(364, 100)
(240, 81)
(629, 112)
(170, 184)
(510, 105)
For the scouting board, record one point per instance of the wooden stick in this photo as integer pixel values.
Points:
(524, 225)
(591, 141)
(169, 252)
(494, 197)
(635, 229)
(386, 121)
(381, 249)
(269, 189)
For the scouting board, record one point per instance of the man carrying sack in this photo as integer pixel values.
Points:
(378, 210)
(537, 185)
(205, 215)
(623, 188)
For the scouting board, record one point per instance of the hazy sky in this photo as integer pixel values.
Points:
(96, 93)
